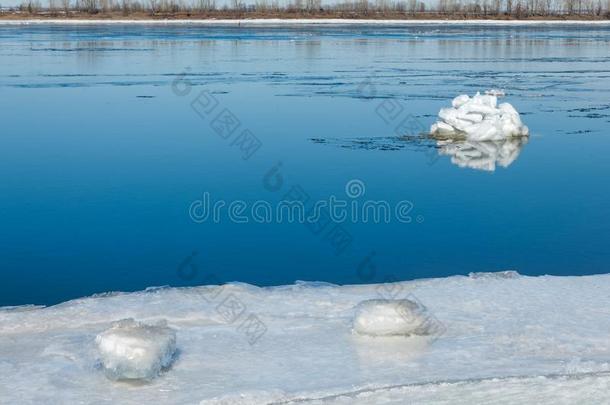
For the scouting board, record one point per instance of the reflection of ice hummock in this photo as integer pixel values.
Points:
(482, 155)
(479, 119)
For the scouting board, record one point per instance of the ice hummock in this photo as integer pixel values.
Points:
(479, 118)
(132, 350)
(391, 317)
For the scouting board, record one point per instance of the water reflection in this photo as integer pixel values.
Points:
(482, 155)
(485, 155)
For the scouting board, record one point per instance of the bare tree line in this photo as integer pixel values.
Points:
(525, 8)
(460, 8)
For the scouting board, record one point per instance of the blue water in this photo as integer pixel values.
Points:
(102, 154)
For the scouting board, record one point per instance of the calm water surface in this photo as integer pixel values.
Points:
(101, 157)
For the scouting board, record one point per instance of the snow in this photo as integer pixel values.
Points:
(386, 317)
(506, 339)
(304, 21)
(587, 389)
(479, 118)
(135, 350)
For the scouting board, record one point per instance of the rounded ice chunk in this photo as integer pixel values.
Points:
(132, 350)
(384, 317)
(441, 128)
(479, 118)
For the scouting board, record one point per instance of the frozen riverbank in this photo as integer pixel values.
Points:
(299, 21)
(530, 337)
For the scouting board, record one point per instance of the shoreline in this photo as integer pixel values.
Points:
(296, 21)
(492, 275)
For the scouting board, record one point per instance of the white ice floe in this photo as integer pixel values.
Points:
(495, 92)
(482, 155)
(508, 339)
(132, 350)
(389, 317)
(479, 118)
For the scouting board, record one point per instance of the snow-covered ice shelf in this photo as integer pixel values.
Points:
(506, 340)
(302, 21)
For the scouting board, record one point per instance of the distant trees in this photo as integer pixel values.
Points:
(206, 5)
(261, 5)
(458, 8)
(412, 6)
(585, 7)
(89, 6)
(307, 5)
(315, 4)
(125, 7)
(237, 5)
(30, 6)
(375, 6)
